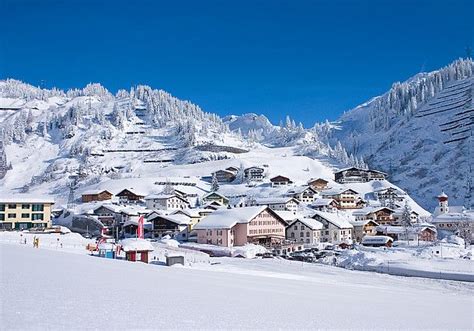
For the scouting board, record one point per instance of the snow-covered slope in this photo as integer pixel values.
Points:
(418, 132)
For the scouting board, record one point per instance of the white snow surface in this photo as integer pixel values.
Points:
(235, 294)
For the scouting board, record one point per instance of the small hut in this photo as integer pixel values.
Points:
(136, 249)
(106, 250)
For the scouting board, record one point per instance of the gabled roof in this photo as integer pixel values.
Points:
(277, 200)
(370, 210)
(337, 191)
(111, 207)
(164, 197)
(95, 192)
(131, 190)
(300, 189)
(227, 218)
(339, 220)
(322, 202)
(317, 179)
(309, 222)
(286, 215)
(179, 219)
(215, 193)
(279, 178)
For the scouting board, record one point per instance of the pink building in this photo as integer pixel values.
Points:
(238, 226)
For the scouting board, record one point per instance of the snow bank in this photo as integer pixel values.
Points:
(248, 251)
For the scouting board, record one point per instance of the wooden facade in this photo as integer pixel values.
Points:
(127, 194)
(97, 196)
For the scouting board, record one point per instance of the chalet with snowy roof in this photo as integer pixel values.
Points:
(321, 204)
(398, 216)
(305, 230)
(23, 212)
(130, 195)
(194, 215)
(377, 241)
(363, 228)
(280, 181)
(165, 202)
(215, 197)
(130, 226)
(109, 214)
(96, 195)
(389, 194)
(336, 227)
(282, 203)
(239, 226)
(305, 194)
(413, 233)
(452, 219)
(254, 174)
(357, 175)
(175, 226)
(318, 184)
(346, 198)
(225, 176)
(381, 215)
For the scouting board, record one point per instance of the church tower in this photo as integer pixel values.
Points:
(443, 203)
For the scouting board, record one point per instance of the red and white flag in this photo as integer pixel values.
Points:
(140, 231)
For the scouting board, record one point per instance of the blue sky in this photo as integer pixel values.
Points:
(309, 59)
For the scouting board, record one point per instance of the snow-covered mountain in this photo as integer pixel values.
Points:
(418, 132)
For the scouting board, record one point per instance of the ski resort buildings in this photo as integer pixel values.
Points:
(357, 175)
(239, 226)
(25, 213)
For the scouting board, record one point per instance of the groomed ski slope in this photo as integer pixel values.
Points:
(57, 290)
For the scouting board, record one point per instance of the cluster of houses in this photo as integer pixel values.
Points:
(321, 211)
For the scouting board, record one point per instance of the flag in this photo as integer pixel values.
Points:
(140, 231)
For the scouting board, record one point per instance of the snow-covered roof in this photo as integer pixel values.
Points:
(227, 218)
(310, 222)
(362, 222)
(189, 212)
(111, 207)
(273, 201)
(454, 217)
(299, 190)
(340, 220)
(376, 240)
(337, 191)
(94, 192)
(22, 198)
(286, 215)
(215, 193)
(369, 210)
(322, 202)
(136, 244)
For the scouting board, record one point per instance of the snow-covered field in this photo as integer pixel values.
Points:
(52, 289)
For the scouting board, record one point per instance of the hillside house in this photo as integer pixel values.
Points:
(346, 198)
(256, 174)
(381, 215)
(280, 181)
(336, 227)
(19, 213)
(318, 184)
(215, 197)
(239, 226)
(283, 203)
(363, 228)
(390, 195)
(398, 216)
(127, 195)
(305, 194)
(175, 226)
(97, 195)
(194, 215)
(225, 176)
(321, 204)
(166, 202)
(305, 230)
(357, 175)
(109, 214)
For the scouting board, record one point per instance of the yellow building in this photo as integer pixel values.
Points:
(23, 213)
